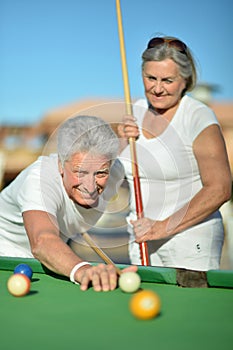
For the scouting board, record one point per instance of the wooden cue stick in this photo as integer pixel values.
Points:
(137, 188)
(99, 251)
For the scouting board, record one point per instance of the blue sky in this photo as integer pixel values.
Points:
(56, 52)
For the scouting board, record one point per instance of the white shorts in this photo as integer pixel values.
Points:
(198, 248)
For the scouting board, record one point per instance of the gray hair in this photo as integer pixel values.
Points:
(83, 134)
(184, 60)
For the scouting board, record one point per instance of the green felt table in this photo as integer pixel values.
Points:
(57, 315)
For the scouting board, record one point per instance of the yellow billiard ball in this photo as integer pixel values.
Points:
(19, 285)
(145, 304)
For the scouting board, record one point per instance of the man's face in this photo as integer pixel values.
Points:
(85, 177)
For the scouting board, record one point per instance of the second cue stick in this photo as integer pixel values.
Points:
(137, 188)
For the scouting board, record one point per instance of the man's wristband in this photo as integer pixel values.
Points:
(75, 269)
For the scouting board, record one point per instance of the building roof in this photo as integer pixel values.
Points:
(111, 110)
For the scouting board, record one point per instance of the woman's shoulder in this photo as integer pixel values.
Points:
(140, 106)
(141, 102)
(192, 109)
(193, 104)
(196, 116)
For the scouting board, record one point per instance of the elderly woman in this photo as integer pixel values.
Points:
(183, 164)
(60, 196)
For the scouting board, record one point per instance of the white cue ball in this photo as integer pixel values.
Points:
(129, 282)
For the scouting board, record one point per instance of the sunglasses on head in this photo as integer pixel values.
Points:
(176, 43)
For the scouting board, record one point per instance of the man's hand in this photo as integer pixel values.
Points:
(102, 277)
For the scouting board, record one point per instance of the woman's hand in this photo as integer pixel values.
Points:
(146, 229)
(128, 128)
(102, 277)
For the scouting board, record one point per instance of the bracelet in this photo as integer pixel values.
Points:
(75, 269)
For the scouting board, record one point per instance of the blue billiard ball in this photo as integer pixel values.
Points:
(24, 269)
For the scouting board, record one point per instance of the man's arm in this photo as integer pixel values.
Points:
(47, 246)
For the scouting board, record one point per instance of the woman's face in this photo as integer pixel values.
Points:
(85, 177)
(163, 84)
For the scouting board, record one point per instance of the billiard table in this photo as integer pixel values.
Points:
(57, 315)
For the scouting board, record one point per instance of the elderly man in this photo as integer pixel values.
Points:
(60, 196)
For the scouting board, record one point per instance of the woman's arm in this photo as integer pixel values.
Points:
(210, 152)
